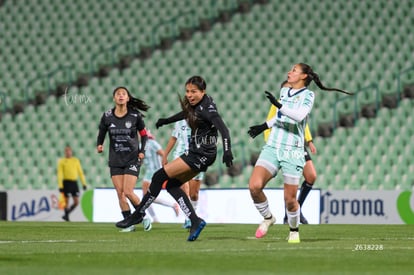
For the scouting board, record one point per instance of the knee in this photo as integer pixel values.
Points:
(291, 205)
(194, 197)
(159, 177)
(291, 202)
(120, 194)
(255, 188)
(173, 183)
(128, 193)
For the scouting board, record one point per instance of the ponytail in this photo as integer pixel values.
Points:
(137, 104)
(312, 76)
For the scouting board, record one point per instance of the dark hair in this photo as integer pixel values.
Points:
(283, 83)
(133, 103)
(185, 104)
(306, 69)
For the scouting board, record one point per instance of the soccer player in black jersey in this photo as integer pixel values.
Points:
(204, 120)
(124, 123)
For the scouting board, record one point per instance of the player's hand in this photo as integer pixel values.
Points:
(273, 100)
(164, 160)
(256, 130)
(160, 122)
(228, 158)
(84, 187)
(99, 148)
(312, 147)
(141, 156)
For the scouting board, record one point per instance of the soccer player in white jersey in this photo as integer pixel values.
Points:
(285, 146)
(180, 139)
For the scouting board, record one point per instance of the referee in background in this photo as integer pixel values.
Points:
(68, 171)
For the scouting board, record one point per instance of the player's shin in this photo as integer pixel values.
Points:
(304, 191)
(182, 199)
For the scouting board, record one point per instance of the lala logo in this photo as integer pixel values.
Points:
(128, 124)
(28, 209)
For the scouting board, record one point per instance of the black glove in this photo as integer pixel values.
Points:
(256, 130)
(61, 190)
(84, 187)
(160, 122)
(273, 100)
(228, 158)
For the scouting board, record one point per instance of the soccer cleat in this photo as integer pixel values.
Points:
(264, 226)
(303, 220)
(65, 217)
(128, 229)
(293, 237)
(187, 224)
(146, 223)
(176, 208)
(132, 219)
(196, 230)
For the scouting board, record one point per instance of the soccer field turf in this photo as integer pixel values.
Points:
(98, 248)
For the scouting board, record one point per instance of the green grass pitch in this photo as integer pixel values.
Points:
(98, 248)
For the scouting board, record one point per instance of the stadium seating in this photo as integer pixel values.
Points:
(39, 36)
(364, 44)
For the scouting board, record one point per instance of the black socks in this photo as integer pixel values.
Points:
(126, 214)
(304, 191)
(157, 181)
(181, 197)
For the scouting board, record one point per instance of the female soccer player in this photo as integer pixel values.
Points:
(285, 146)
(204, 120)
(309, 171)
(124, 123)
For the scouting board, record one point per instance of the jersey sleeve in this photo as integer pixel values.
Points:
(102, 131)
(140, 124)
(80, 172)
(308, 135)
(60, 174)
(300, 113)
(176, 131)
(272, 112)
(210, 113)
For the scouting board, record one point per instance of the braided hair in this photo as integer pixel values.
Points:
(312, 76)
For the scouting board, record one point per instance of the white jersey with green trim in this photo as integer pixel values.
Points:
(288, 125)
(152, 160)
(182, 132)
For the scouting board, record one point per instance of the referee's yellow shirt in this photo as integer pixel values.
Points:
(69, 169)
(272, 113)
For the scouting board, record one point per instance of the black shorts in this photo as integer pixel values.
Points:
(132, 169)
(199, 160)
(307, 155)
(70, 187)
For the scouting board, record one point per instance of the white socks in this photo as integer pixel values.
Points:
(264, 209)
(194, 204)
(293, 218)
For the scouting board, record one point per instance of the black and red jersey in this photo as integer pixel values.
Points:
(123, 137)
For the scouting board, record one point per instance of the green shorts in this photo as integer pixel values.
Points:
(291, 161)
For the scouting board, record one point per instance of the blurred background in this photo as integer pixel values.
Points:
(61, 60)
